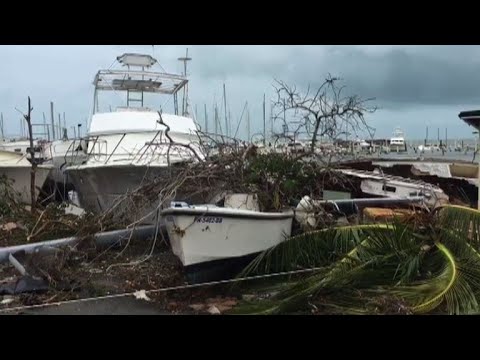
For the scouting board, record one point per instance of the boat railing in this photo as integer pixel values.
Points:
(73, 151)
(143, 150)
(158, 146)
(198, 144)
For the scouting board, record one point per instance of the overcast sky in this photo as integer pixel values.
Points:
(414, 86)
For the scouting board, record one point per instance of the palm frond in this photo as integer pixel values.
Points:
(427, 294)
(462, 220)
(359, 265)
(310, 250)
(367, 268)
(455, 285)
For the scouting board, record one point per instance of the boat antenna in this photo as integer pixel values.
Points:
(185, 60)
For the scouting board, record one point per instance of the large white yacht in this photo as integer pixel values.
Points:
(397, 142)
(130, 145)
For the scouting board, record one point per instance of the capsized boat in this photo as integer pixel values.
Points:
(207, 237)
(378, 184)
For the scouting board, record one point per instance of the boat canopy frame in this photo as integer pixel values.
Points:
(134, 80)
(139, 80)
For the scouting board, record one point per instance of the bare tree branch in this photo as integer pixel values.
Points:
(327, 111)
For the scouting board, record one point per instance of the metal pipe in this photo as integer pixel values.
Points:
(101, 239)
(16, 264)
(368, 201)
(377, 201)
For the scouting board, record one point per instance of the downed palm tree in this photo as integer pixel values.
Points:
(396, 268)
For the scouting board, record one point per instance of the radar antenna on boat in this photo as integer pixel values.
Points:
(137, 60)
(185, 60)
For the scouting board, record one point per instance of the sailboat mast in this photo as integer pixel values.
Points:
(45, 126)
(216, 121)
(206, 119)
(64, 124)
(248, 123)
(229, 123)
(1, 119)
(59, 126)
(264, 123)
(225, 109)
(52, 119)
(271, 119)
(185, 88)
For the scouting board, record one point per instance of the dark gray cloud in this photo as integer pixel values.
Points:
(410, 78)
(413, 85)
(413, 75)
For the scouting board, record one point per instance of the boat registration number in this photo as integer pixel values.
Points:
(208, 219)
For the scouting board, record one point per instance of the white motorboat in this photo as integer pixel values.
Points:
(57, 153)
(428, 148)
(361, 143)
(207, 236)
(22, 147)
(397, 142)
(18, 169)
(130, 146)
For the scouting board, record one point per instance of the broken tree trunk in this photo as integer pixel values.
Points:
(32, 156)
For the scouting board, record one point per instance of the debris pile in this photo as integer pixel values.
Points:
(335, 242)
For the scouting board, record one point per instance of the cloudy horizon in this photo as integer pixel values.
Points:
(413, 86)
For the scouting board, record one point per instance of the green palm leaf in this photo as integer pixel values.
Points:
(310, 250)
(436, 267)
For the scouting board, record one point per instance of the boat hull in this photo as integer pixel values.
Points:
(398, 148)
(101, 188)
(21, 180)
(217, 270)
(201, 237)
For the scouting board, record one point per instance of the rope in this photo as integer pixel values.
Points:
(156, 291)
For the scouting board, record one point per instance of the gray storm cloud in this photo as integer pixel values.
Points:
(413, 85)
(402, 75)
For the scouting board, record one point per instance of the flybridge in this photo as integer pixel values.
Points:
(136, 78)
(130, 80)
